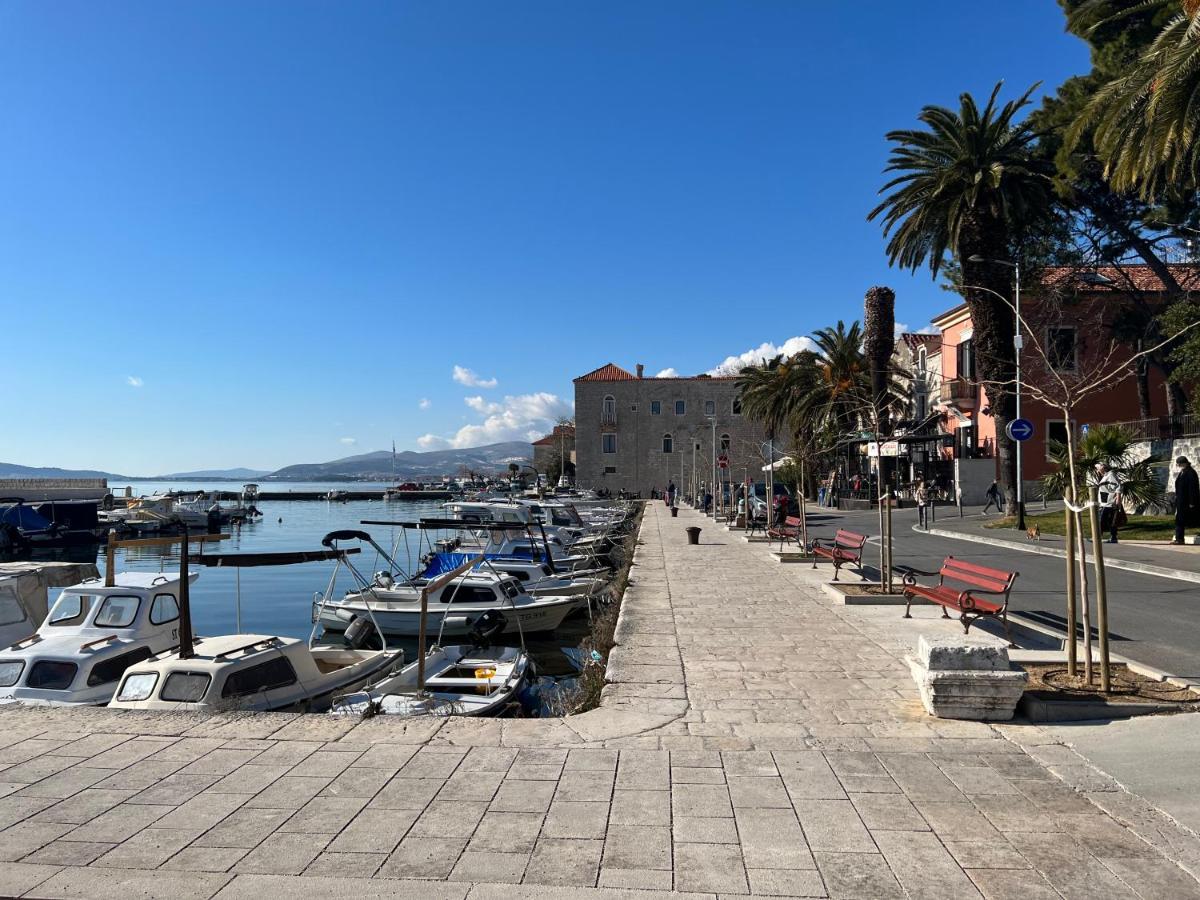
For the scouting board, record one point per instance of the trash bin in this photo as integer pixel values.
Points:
(693, 535)
(674, 512)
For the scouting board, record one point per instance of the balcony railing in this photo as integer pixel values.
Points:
(959, 391)
(1161, 428)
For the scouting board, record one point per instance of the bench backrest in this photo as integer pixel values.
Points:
(793, 521)
(850, 540)
(978, 576)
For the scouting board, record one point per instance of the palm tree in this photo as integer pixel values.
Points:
(968, 187)
(1146, 121)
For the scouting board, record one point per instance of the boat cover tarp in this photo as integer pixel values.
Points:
(24, 517)
(441, 562)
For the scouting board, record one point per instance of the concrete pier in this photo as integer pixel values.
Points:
(755, 738)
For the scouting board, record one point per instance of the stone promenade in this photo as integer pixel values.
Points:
(756, 738)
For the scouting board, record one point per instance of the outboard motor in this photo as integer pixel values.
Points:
(487, 628)
(214, 521)
(361, 633)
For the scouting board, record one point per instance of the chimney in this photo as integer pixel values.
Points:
(640, 369)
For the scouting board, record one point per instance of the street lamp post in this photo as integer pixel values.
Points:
(713, 421)
(1018, 344)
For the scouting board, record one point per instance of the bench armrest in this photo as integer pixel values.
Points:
(909, 574)
(966, 599)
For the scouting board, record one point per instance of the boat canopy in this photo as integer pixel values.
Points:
(282, 558)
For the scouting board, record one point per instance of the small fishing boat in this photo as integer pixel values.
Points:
(459, 680)
(337, 496)
(256, 671)
(93, 633)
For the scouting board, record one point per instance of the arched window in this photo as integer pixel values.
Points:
(922, 358)
(668, 443)
(609, 414)
(725, 443)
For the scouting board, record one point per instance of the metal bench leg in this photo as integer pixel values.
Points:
(837, 567)
(1007, 632)
(966, 623)
(908, 606)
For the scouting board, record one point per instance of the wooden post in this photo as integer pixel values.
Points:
(1101, 586)
(186, 650)
(110, 563)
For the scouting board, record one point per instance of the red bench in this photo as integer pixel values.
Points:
(787, 532)
(846, 547)
(975, 591)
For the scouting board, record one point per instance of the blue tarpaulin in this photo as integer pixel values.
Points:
(442, 562)
(24, 517)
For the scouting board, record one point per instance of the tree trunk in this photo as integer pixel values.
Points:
(993, 323)
(1101, 585)
(1072, 615)
(879, 340)
(1143, 389)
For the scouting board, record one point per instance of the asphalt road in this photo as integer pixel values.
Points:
(1152, 620)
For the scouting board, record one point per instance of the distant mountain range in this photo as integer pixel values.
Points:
(375, 466)
(217, 473)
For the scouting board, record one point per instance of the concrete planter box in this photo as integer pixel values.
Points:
(854, 593)
(796, 556)
(1039, 706)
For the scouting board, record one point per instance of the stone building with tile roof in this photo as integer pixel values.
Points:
(638, 434)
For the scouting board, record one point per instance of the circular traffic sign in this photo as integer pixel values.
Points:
(1019, 429)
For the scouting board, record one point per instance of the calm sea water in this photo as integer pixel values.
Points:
(278, 599)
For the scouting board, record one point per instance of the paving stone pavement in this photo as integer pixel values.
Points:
(755, 738)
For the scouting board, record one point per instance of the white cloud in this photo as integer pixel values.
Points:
(424, 403)
(753, 357)
(133, 381)
(481, 406)
(470, 379)
(901, 328)
(432, 442)
(348, 441)
(525, 417)
(669, 372)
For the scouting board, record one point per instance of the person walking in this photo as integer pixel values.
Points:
(1187, 499)
(921, 495)
(1111, 510)
(994, 497)
(671, 493)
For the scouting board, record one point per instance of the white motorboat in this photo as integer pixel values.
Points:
(92, 634)
(148, 514)
(252, 672)
(255, 671)
(451, 606)
(460, 680)
(337, 496)
(535, 575)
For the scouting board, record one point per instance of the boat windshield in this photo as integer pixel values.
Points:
(71, 608)
(118, 611)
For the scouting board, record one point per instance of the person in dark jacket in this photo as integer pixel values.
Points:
(1187, 498)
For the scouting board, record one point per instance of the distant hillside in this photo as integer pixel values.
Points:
(217, 473)
(377, 466)
(12, 470)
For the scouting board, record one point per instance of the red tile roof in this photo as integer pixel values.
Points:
(608, 372)
(915, 341)
(1124, 278)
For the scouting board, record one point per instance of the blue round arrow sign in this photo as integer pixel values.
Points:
(1019, 429)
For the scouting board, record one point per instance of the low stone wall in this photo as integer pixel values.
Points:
(36, 489)
(1169, 451)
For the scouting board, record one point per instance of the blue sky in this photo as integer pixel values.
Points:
(266, 233)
